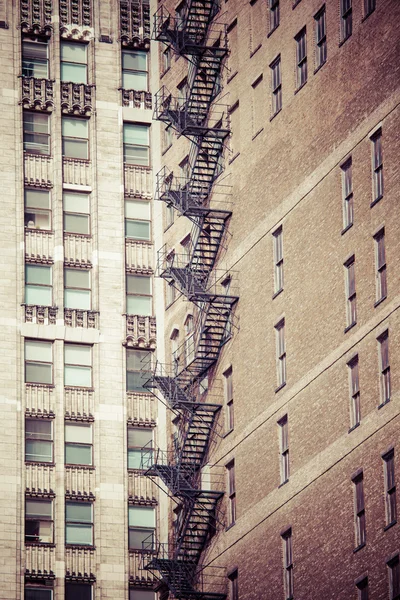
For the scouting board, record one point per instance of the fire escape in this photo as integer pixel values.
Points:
(194, 35)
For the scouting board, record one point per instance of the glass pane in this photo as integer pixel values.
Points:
(36, 122)
(78, 376)
(73, 72)
(38, 428)
(137, 284)
(76, 203)
(37, 274)
(36, 143)
(38, 451)
(75, 149)
(134, 459)
(77, 278)
(73, 52)
(136, 360)
(78, 534)
(77, 355)
(37, 199)
(35, 349)
(37, 508)
(78, 433)
(141, 517)
(77, 299)
(137, 229)
(34, 593)
(136, 60)
(38, 373)
(77, 128)
(36, 219)
(35, 68)
(77, 454)
(138, 305)
(140, 437)
(134, 81)
(76, 223)
(136, 134)
(136, 155)
(77, 511)
(137, 537)
(79, 591)
(34, 50)
(141, 595)
(38, 295)
(135, 381)
(137, 210)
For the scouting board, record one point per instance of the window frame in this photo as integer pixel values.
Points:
(393, 566)
(88, 368)
(83, 141)
(274, 15)
(380, 266)
(321, 48)
(276, 85)
(31, 585)
(277, 236)
(346, 20)
(166, 60)
(137, 219)
(301, 58)
(362, 589)
(138, 528)
(384, 368)
(234, 585)
(369, 7)
(40, 438)
(280, 341)
(39, 362)
(351, 294)
(360, 529)
(79, 214)
(231, 480)
(354, 392)
(377, 167)
(75, 444)
(37, 210)
(139, 389)
(284, 465)
(346, 169)
(134, 449)
(75, 287)
(72, 63)
(132, 145)
(389, 475)
(132, 295)
(40, 519)
(128, 71)
(44, 135)
(31, 287)
(229, 406)
(287, 543)
(75, 584)
(79, 522)
(24, 59)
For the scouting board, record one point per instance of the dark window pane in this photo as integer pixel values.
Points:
(78, 591)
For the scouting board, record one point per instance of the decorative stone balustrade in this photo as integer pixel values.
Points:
(76, 172)
(138, 181)
(39, 245)
(40, 315)
(38, 170)
(138, 575)
(80, 563)
(79, 403)
(142, 489)
(77, 98)
(39, 562)
(40, 479)
(134, 16)
(76, 19)
(74, 317)
(36, 17)
(141, 408)
(37, 94)
(79, 482)
(39, 399)
(140, 331)
(135, 99)
(77, 249)
(139, 256)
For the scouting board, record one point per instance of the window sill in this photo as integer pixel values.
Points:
(40, 544)
(255, 51)
(378, 302)
(257, 134)
(227, 433)
(78, 387)
(274, 115)
(272, 31)
(346, 228)
(84, 160)
(319, 67)
(350, 327)
(295, 3)
(36, 154)
(390, 525)
(79, 546)
(76, 233)
(233, 158)
(230, 526)
(360, 547)
(232, 76)
(278, 389)
(354, 427)
(38, 230)
(165, 72)
(86, 467)
(375, 201)
(141, 551)
(297, 90)
(277, 294)
(344, 41)
(365, 17)
(166, 150)
(38, 384)
(283, 483)
(383, 404)
(39, 463)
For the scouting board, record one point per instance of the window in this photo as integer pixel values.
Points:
(75, 134)
(138, 295)
(137, 219)
(359, 510)
(37, 209)
(234, 585)
(230, 468)
(287, 564)
(73, 62)
(394, 578)
(167, 137)
(369, 7)
(138, 439)
(169, 215)
(38, 521)
(77, 365)
(78, 591)
(175, 357)
(380, 264)
(134, 70)
(137, 370)
(79, 523)
(284, 448)
(184, 170)
(355, 412)
(351, 306)
(35, 59)
(377, 166)
(78, 444)
(38, 285)
(320, 38)
(170, 293)
(276, 85)
(142, 524)
(383, 341)
(301, 58)
(280, 353)
(77, 293)
(36, 133)
(135, 594)
(278, 259)
(39, 440)
(362, 589)
(189, 343)
(390, 487)
(347, 194)
(346, 19)
(37, 592)
(166, 59)
(136, 144)
(76, 213)
(274, 15)
(229, 399)
(183, 92)
(38, 362)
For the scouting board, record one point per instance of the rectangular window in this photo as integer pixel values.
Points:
(276, 85)
(284, 448)
(274, 15)
(38, 362)
(142, 523)
(394, 578)
(79, 523)
(76, 213)
(183, 92)
(380, 264)
(73, 62)
(320, 38)
(77, 365)
(137, 219)
(347, 194)
(346, 19)
(170, 293)
(280, 353)
(77, 293)
(134, 70)
(78, 591)
(39, 440)
(36, 133)
(35, 59)
(229, 399)
(362, 589)
(78, 443)
(369, 7)
(287, 564)
(166, 59)
(278, 259)
(137, 370)
(384, 367)
(135, 594)
(234, 585)
(359, 510)
(37, 209)
(167, 137)
(136, 144)
(351, 305)
(37, 592)
(230, 468)
(38, 285)
(75, 138)
(377, 166)
(390, 488)
(38, 521)
(137, 440)
(355, 411)
(138, 295)
(301, 58)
